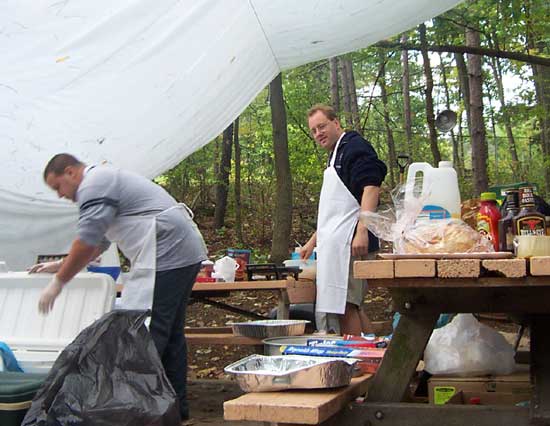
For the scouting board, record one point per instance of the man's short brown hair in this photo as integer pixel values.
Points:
(325, 109)
(59, 163)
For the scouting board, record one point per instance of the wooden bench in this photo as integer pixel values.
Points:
(217, 336)
(294, 407)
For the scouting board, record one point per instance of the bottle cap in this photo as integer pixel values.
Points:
(475, 400)
(488, 196)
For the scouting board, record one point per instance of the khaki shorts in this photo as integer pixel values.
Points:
(357, 289)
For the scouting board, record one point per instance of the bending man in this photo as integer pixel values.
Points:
(153, 231)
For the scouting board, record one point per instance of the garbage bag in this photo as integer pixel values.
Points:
(465, 347)
(110, 375)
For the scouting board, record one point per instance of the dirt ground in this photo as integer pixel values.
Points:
(206, 398)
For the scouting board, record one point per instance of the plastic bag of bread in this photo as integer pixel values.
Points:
(442, 236)
(401, 226)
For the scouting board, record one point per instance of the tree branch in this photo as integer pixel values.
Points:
(516, 56)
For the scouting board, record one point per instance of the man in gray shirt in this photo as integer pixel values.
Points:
(159, 237)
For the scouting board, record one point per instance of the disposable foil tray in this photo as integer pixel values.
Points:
(259, 373)
(269, 328)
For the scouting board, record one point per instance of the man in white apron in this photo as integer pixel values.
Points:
(351, 184)
(153, 231)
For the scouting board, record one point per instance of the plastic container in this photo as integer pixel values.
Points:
(109, 263)
(488, 217)
(16, 393)
(36, 340)
(439, 190)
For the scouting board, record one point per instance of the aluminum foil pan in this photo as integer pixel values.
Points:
(269, 328)
(259, 373)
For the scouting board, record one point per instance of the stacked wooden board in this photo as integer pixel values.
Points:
(451, 268)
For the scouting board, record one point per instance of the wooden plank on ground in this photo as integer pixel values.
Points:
(458, 268)
(414, 268)
(373, 269)
(220, 339)
(540, 265)
(510, 268)
(295, 406)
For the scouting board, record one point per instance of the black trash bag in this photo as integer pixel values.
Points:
(110, 375)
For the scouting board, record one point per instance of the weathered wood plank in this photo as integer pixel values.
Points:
(471, 299)
(461, 282)
(458, 268)
(373, 269)
(399, 364)
(540, 369)
(296, 407)
(414, 268)
(408, 414)
(511, 268)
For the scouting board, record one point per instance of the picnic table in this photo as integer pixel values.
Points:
(421, 290)
(289, 291)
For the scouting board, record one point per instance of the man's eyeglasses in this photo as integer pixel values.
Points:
(319, 128)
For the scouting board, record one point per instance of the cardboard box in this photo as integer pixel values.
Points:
(492, 390)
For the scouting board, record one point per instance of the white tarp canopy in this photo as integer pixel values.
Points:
(143, 84)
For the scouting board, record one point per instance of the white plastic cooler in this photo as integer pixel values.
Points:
(37, 340)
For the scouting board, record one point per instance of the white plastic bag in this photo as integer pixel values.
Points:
(465, 347)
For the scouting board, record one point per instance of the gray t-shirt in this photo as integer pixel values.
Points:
(106, 193)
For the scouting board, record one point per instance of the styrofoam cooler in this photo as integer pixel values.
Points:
(37, 340)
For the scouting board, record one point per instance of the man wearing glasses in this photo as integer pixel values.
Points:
(351, 184)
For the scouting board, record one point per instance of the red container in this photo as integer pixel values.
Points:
(488, 217)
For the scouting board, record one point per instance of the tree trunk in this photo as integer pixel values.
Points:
(430, 118)
(464, 84)
(477, 124)
(222, 185)
(348, 71)
(497, 75)
(541, 77)
(387, 122)
(407, 117)
(238, 201)
(346, 116)
(494, 132)
(456, 156)
(334, 88)
(282, 215)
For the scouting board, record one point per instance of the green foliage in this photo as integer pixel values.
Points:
(504, 24)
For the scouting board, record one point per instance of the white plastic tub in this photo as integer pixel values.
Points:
(36, 340)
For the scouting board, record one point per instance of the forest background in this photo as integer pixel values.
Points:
(257, 185)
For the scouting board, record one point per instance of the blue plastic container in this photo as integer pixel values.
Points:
(113, 271)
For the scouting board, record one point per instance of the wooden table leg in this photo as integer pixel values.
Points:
(540, 369)
(406, 348)
(283, 308)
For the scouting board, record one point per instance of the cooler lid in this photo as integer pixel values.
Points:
(83, 300)
(19, 387)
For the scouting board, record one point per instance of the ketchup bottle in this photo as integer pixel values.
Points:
(488, 217)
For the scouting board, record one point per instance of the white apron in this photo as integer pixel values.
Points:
(136, 237)
(336, 222)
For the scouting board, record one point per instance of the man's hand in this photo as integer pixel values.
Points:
(360, 243)
(50, 267)
(49, 294)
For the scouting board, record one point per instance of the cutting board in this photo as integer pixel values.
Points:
(494, 255)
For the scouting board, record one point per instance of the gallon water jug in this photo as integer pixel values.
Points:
(439, 190)
(225, 268)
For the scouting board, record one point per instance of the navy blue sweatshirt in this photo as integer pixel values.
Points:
(358, 166)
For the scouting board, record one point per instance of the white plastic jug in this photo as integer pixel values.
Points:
(440, 190)
(225, 268)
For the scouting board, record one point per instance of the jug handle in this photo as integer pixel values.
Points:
(414, 169)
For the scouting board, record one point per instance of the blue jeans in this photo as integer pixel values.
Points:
(172, 292)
